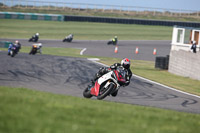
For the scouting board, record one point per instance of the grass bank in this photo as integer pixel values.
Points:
(29, 111)
(11, 28)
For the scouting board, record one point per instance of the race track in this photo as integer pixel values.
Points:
(69, 76)
(100, 48)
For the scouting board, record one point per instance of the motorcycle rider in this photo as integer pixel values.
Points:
(69, 37)
(115, 40)
(125, 63)
(34, 38)
(18, 45)
(38, 46)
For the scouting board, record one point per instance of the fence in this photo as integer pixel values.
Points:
(31, 16)
(30, 4)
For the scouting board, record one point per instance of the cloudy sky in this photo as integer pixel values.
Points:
(171, 4)
(167, 4)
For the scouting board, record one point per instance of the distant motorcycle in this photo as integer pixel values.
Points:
(34, 39)
(68, 38)
(36, 48)
(106, 85)
(111, 42)
(13, 51)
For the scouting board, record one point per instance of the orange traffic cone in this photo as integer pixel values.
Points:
(154, 51)
(116, 49)
(136, 50)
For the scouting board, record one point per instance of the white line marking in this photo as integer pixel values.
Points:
(154, 82)
(83, 50)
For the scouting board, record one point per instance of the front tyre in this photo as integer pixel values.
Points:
(12, 54)
(105, 91)
(86, 93)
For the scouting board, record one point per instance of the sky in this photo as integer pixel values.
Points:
(170, 4)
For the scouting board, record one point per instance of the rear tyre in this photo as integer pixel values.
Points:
(115, 93)
(86, 93)
(105, 92)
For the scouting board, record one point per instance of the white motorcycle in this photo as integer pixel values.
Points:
(106, 85)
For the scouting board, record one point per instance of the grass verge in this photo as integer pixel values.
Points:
(11, 28)
(29, 111)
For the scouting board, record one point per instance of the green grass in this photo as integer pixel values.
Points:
(11, 28)
(29, 111)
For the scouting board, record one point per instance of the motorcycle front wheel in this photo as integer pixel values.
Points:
(105, 91)
(86, 93)
(12, 53)
(110, 42)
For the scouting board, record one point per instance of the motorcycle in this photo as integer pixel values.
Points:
(36, 48)
(111, 42)
(13, 51)
(34, 39)
(106, 85)
(68, 39)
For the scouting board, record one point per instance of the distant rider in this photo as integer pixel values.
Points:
(18, 45)
(34, 38)
(39, 47)
(125, 63)
(70, 36)
(115, 40)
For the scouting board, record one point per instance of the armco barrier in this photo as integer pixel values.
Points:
(4, 44)
(129, 21)
(31, 16)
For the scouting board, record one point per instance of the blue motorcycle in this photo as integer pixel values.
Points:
(12, 50)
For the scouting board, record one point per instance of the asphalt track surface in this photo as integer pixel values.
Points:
(100, 48)
(70, 76)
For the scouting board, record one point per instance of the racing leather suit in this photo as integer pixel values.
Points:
(105, 70)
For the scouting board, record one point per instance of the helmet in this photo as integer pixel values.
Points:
(115, 36)
(37, 34)
(194, 42)
(126, 63)
(16, 41)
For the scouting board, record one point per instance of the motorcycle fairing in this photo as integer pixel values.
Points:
(95, 89)
(102, 79)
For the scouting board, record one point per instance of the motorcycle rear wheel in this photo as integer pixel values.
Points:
(105, 92)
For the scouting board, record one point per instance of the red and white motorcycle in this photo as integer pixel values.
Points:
(106, 85)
